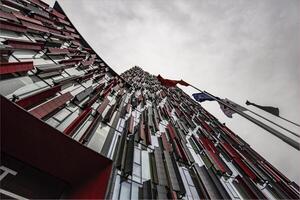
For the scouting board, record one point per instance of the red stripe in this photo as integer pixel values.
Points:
(35, 27)
(166, 144)
(245, 168)
(38, 97)
(47, 108)
(7, 68)
(229, 149)
(5, 25)
(70, 130)
(21, 44)
(171, 131)
(29, 19)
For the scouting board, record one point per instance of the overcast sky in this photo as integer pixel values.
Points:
(235, 49)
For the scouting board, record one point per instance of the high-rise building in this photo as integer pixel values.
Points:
(71, 127)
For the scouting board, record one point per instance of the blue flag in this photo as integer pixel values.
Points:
(202, 97)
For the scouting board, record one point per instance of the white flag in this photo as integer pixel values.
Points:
(228, 111)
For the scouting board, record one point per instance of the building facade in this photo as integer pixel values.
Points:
(71, 127)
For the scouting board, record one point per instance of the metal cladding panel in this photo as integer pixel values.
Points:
(245, 168)
(119, 155)
(52, 152)
(207, 182)
(66, 80)
(129, 156)
(84, 94)
(88, 132)
(8, 16)
(161, 192)
(171, 172)
(38, 97)
(147, 190)
(111, 134)
(29, 19)
(57, 51)
(167, 146)
(35, 27)
(200, 187)
(50, 106)
(102, 106)
(70, 130)
(245, 191)
(13, 67)
(218, 184)
(23, 44)
(45, 68)
(160, 168)
(112, 110)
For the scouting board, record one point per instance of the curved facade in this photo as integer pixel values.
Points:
(71, 127)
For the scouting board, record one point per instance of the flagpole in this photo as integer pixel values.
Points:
(281, 136)
(289, 121)
(262, 108)
(295, 134)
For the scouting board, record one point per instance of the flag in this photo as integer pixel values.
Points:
(228, 111)
(200, 97)
(269, 109)
(170, 83)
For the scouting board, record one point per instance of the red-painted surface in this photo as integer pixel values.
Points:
(38, 97)
(22, 44)
(7, 68)
(47, 108)
(45, 148)
(70, 130)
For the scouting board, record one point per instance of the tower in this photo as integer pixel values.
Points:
(71, 127)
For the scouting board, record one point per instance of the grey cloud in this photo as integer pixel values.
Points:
(236, 49)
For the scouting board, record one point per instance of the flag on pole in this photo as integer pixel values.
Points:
(200, 97)
(269, 109)
(228, 111)
(171, 83)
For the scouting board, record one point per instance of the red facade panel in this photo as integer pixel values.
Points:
(43, 19)
(8, 16)
(7, 68)
(47, 108)
(58, 14)
(171, 131)
(21, 44)
(245, 168)
(35, 27)
(57, 51)
(70, 130)
(28, 19)
(13, 27)
(102, 106)
(38, 97)
(48, 150)
(165, 142)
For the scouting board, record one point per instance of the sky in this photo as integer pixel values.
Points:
(241, 50)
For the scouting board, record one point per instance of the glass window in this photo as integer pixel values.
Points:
(62, 114)
(116, 188)
(137, 156)
(145, 166)
(134, 191)
(125, 190)
(68, 121)
(188, 177)
(83, 128)
(194, 192)
(136, 170)
(97, 141)
(52, 122)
